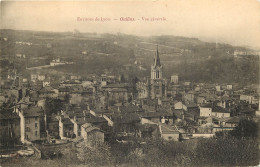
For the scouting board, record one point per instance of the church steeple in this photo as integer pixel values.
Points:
(156, 68)
(157, 62)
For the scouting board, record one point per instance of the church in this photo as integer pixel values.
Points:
(156, 86)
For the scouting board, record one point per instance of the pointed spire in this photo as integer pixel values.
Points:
(157, 59)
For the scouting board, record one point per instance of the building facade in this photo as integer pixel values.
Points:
(156, 86)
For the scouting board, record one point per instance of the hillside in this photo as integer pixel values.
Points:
(191, 58)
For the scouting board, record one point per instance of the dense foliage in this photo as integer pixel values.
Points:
(224, 151)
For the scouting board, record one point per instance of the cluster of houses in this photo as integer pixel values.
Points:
(44, 108)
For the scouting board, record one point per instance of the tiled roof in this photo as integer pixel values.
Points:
(206, 105)
(89, 127)
(32, 111)
(8, 115)
(130, 109)
(92, 120)
(169, 129)
(126, 118)
(233, 120)
(219, 109)
(96, 120)
(155, 114)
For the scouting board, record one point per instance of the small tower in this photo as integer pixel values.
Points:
(175, 79)
(156, 68)
(103, 80)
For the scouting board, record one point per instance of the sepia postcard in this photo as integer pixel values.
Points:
(129, 83)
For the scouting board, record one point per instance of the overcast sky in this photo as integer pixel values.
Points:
(231, 21)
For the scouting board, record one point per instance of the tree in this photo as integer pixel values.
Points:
(53, 106)
(94, 156)
(226, 151)
(246, 129)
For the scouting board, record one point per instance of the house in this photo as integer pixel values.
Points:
(192, 107)
(116, 95)
(46, 83)
(232, 122)
(189, 97)
(169, 133)
(143, 90)
(164, 102)
(41, 77)
(229, 87)
(220, 112)
(249, 99)
(75, 98)
(99, 122)
(9, 126)
(126, 123)
(63, 91)
(32, 125)
(175, 79)
(226, 124)
(48, 91)
(92, 134)
(75, 77)
(205, 110)
(53, 126)
(218, 88)
(187, 83)
(57, 62)
(179, 105)
(156, 117)
(66, 128)
(179, 114)
(201, 99)
(34, 77)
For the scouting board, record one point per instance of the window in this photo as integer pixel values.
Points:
(36, 118)
(157, 74)
(36, 125)
(36, 133)
(27, 129)
(27, 121)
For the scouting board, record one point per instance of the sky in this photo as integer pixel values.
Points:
(236, 22)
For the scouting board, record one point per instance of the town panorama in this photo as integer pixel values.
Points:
(75, 99)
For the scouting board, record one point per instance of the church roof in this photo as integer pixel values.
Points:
(157, 62)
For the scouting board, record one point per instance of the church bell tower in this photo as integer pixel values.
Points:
(156, 68)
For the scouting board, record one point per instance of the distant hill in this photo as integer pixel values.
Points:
(191, 58)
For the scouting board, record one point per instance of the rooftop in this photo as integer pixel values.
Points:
(32, 111)
(219, 109)
(169, 129)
